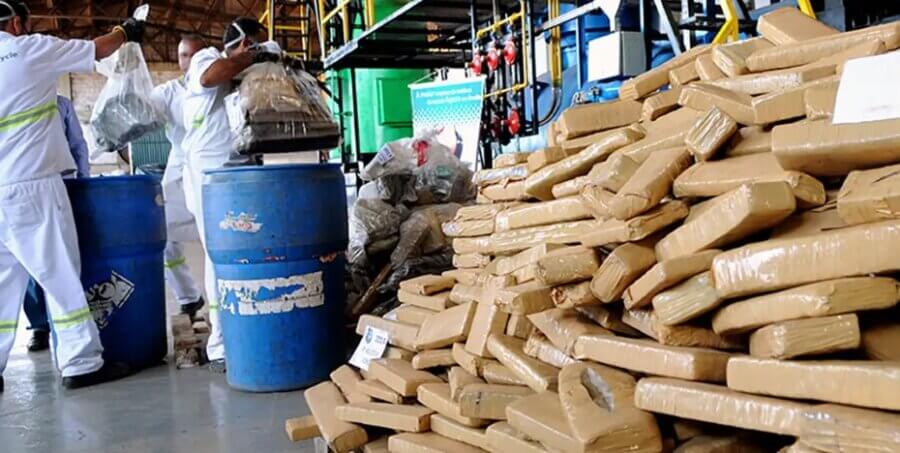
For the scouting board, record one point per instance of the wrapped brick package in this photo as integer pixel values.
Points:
(435, 302)
(559, 269)
(433, 358)
(480, 212)
(490, 176)
(427, 284)
(376, 390)
(690, 299)
(402, 335)
(503, 438)
(427, 443)
(564, 326)
(596, 200)
(882, 342)
(819, 101)
(459, 378)
(444, 426)
(687, 335)
(400, 376)
(544, 213)
(654, 79)
(870, 195)
(702, 96)
(496, 373)
(471, 261)
(709, 133)
(560, 233)
(803, 337)
(447, 327)
(683, 75)
(436, 396)
(789, 25)
(660, 103)
(589, 118)
(809, 222)
(510, 264)
(836, 429)
(489, 401)
(609, 318)
(539, 347)
(707, 69)
(731, 58)
(571, 187)
(510, 159)
(775, 81)
(750, 140)
(510, 352)
(523, 299)
(613, 173)
(546, 156)
(469, 228)
(341, 436)
(514, 191)
(573, 295)
(650, 183)
(489, 319)
(636, 228)
(665, 274)
(620, 269)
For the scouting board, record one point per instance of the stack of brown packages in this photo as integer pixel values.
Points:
(707, 271)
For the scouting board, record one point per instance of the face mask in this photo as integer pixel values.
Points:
(240, 37)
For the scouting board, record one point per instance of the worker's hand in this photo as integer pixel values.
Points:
(266, 57)
(133, 30)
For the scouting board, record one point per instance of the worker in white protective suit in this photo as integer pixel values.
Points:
(180, 225)
(37, 227)
(209, 141)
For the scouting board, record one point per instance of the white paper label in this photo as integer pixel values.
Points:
(371, 347)
(869, 90)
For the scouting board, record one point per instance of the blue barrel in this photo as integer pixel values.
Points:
(277, 237)
(121, 228)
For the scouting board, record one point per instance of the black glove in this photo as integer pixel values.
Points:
(133, 29)
(266, 57)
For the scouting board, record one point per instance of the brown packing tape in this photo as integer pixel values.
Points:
(540, 184)
(427, 443)
(377, 390)
(510, 159)
(509, 351)
(709, 133)
(870, 196)
(560, 269)
(433, 358)
(488, 176)
(620, 269)
(400, 334)
(656, 78)
(503, 438)
(427, 284)
(882, 342)
(749, 140)
(805, 337)
(489, 401)
(731, 58)
(775, 81)
(683, 75)
(609, 317)
(400, 376)
(666, 274)
(450, 429)
(686, 335)
(614, 172)
(785, 104)
(410, 418)
(539, 347)
(543, 213)
(854, 382)
(660, 103)
(647, 356)
(471, 261)
(447, 327)
(650, 183)
(437, 398)
(614, 231)
(341, 436)
(435, 302)
(819, 101)
(524, 299)
(731, 217)
(514, 191)
(688, 300)
(469, 228)
(719, 405)
(586, 119)
(833, 428)
(789, 25)
(510, 242)
(776, 264)
(573, 295)
(703, 96)
(488, 319)
(707, 69)
(519, 326)
(346, 379)
(301, 428)
(563, 327)
(470, 362)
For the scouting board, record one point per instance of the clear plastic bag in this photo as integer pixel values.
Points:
(371, 220)
(124, 110)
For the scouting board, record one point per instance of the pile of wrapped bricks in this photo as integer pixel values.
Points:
(705, 265)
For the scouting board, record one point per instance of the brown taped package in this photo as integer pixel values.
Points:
(346, 379)
(503, 438)
(650, 183)
(857, 383)
(598, 403)
(585, 119)
(683, 75)
(559, 269)
(540, 183)
(711, 179)
(393, 352)
(719, 405)
(435, 302)
(703, 96)
(656, 78)
(519, 326)
(489, 401)
(470, 362)
(437, 397)
(341, 436)
(870, 195)
(649, 357)
(731, 217)
(450, 429)
(509, 351)
(488, 319)
(411, 418)
(463, 294)
(563, 327)
(707, 69)
(614, 172)
(433, 358)
(819, 101)
(809, 222)
(721, 444)
(523, 299)
(400, 376)
(573, 295)
(517, 240)
(749, 140)
(468, 228)
(731, 58)
(666, 274)
(401, 334)
(488, 176)
(776, 264)
(660, 103)
(824, 149)
(786, 104)
(690, 299)
(301, 428)
(546, 156)
(510, 264)
(459, 378)
(620, 269)
(464, 277)
(838, 429)
(543, 213)
(811, 50)
(804, 337)
(471, 261)
(866, 48)
(447, 327)
(379, 391)
(775, 81)
(687, 335)
(427, 443)
(513, 191)
(596, 200)
(510, 159)
(789, 25)
(666, 132)
(882, 342)
(539, 347)
(480, 212)
(609, 317)
(525, 274)
(541, 417)
(461, 246)
(832, 297)
(427, 284)
(495, 373)
(709, 133)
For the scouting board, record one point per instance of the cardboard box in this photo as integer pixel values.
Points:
(458, 379)
(510, 159)
(524, 299)
(709, 133)
(346, 379)
(804, 337)
(716, 444)
(580, 120)
(559, 269)
(573, 295)
(882, 342)
(824, 149)
(647, 356)
(538, 346)
(731, 217)
(544, 213)
(517, 240)
(654, 79)
(468, 228)
(471, 261)
(400, 376)
(857, 383)
(468, 361)
(435, 302)
(402, 335)
(433, 358)
(427, 443)
(513, 191)
(664, 275)
(563, 327)
(683, 75)
(450, 429)
(703, 96)
(495, 373)
(789, 25)
(379, 445)
(488, 319)
(540, 184)
(686, 335)
(688, 300)
(519, 326)
(719, 405)
(427, 284)
(301, 428)
(660, 103)
(410, 418)
(446, 327)
(509, 351)
(731, 58)
(596, 200)
(819, 101)
(503, 438)
(411, 314)
(750, 140)
(615, 231)
(379, 391)
(711, 179)
(827, 298)
(341, 436)
(650, 183)
(707, 69)
(870, 195)
(620, 269)
(609, 318)
(437, 397)
(773, 265)
(489, 401)
(834, 428)
(497, 175)
(546, 156)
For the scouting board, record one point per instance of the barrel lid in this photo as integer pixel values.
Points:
(101, 180)
(272, 168)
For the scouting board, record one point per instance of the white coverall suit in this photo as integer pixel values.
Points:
(37, 227)
(180, 225)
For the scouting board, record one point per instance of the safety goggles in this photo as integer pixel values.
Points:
(13, 11)
(240, 37)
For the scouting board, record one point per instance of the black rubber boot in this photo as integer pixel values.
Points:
(217, 366)
(109, 372)
(192, 308)
(40, 341)
(1, 384)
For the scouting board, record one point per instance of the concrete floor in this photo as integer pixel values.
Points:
(158, 410)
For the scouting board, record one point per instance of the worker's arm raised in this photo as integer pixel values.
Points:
(132, 30)
(225, 69)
